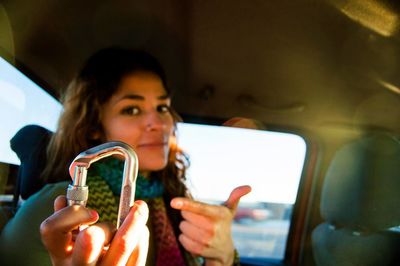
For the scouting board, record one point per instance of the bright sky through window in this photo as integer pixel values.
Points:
(223, 158)
(22, 102)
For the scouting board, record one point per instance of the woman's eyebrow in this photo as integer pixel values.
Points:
(164, 97)
(132, 96)
(140, 97)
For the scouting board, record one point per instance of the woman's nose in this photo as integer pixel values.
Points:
(154, 121)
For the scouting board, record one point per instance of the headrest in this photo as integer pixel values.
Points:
(361, 187)
(30, 144)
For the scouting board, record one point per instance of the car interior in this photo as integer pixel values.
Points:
(298, 98)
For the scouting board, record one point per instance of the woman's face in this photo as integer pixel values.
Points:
(139, 115)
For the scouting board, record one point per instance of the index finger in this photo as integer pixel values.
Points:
(186, 204)
(56, 230)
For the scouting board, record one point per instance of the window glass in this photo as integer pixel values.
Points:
(22, 102)
(270, 162)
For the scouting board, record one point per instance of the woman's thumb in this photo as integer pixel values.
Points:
(235, 197)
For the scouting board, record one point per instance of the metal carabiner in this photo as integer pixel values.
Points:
(78, 192)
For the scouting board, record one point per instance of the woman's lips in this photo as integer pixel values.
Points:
(152, 145)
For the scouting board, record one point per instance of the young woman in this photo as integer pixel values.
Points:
(122, 95)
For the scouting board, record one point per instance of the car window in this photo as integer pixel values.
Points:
(270, 162)
(22, 102)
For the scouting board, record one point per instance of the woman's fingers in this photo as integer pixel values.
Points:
(235, 196)
(196, 233)
(198, 218)
(90, 242)
(185, 204)
(56, 230)
(139, 255)
(59, 203)
(128, 236)
(192, 245)
(129, 245)
(206, 229)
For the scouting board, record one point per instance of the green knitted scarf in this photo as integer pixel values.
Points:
(104, 181)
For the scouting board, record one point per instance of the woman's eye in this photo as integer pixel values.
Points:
(131, 110)
(163, 109)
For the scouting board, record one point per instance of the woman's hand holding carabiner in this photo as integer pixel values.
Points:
(127, 246)
(206, 229)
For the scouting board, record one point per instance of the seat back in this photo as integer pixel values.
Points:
(30, 144)
(360, 205)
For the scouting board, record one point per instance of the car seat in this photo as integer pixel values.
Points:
(30, 144)
(360, 203)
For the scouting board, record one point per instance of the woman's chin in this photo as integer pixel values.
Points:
(153, 166)
(152, 160)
